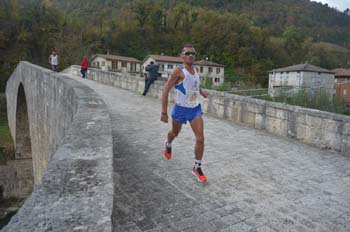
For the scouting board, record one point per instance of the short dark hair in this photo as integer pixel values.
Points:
(152, 62)
(187, 45)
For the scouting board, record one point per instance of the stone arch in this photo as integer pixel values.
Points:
(22, 140)
(23, 164)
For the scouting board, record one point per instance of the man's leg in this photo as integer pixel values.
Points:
(173, 132)
(147, 85)
(197, 127)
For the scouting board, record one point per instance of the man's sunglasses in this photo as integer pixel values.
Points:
(189, 53)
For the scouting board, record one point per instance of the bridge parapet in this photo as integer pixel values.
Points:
(314, 127)
(71, 147)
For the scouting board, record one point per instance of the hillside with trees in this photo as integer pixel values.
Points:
(250, 37)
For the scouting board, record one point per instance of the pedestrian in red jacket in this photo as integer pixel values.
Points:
(84, 66)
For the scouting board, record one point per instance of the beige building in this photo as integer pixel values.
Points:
(302, 76)
(206, 69)
(215, 72)
(116, 63)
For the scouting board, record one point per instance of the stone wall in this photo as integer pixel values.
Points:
(318, 128)
(72, 151)
(16, 178)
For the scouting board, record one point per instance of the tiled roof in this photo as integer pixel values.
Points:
(208, 63)
(175, 59)
(341, 72)
(302, 67)
(113, 57)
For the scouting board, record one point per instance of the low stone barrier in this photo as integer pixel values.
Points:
(70, 125)
(318, 128)
(314, 127)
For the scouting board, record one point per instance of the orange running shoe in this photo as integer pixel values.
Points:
(167, 152)
(199, 174)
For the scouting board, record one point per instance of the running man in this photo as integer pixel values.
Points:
(187, 107)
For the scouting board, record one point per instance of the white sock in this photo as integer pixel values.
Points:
(168, 144)
(197, 163)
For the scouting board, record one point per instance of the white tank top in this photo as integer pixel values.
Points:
(187, 91)
(54, 60)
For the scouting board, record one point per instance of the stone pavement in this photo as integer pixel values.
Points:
(256, 181)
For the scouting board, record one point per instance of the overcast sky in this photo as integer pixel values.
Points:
(341, 5)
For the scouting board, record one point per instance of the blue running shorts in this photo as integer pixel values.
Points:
(182, 114)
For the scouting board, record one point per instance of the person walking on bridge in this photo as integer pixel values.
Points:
(54, 60)
(84, 66)
(187, 107)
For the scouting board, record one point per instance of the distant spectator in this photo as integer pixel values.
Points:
(152, 76)
(54, 60)
(84, 66)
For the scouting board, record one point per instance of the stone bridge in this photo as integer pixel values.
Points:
(97, 160)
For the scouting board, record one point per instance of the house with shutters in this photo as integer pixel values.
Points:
(116, 63)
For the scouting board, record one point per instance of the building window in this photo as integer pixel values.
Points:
(210, 69)
(103, 63)
(170, 66)
(217, 70)
(344, 92)
(133, 67)
(217, 79)
(124, 64)
(98, 64)
(201, 69)
(115, 65)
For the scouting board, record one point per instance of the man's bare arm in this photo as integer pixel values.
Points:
(173, 79)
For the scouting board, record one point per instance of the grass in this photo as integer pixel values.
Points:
(320, 101)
